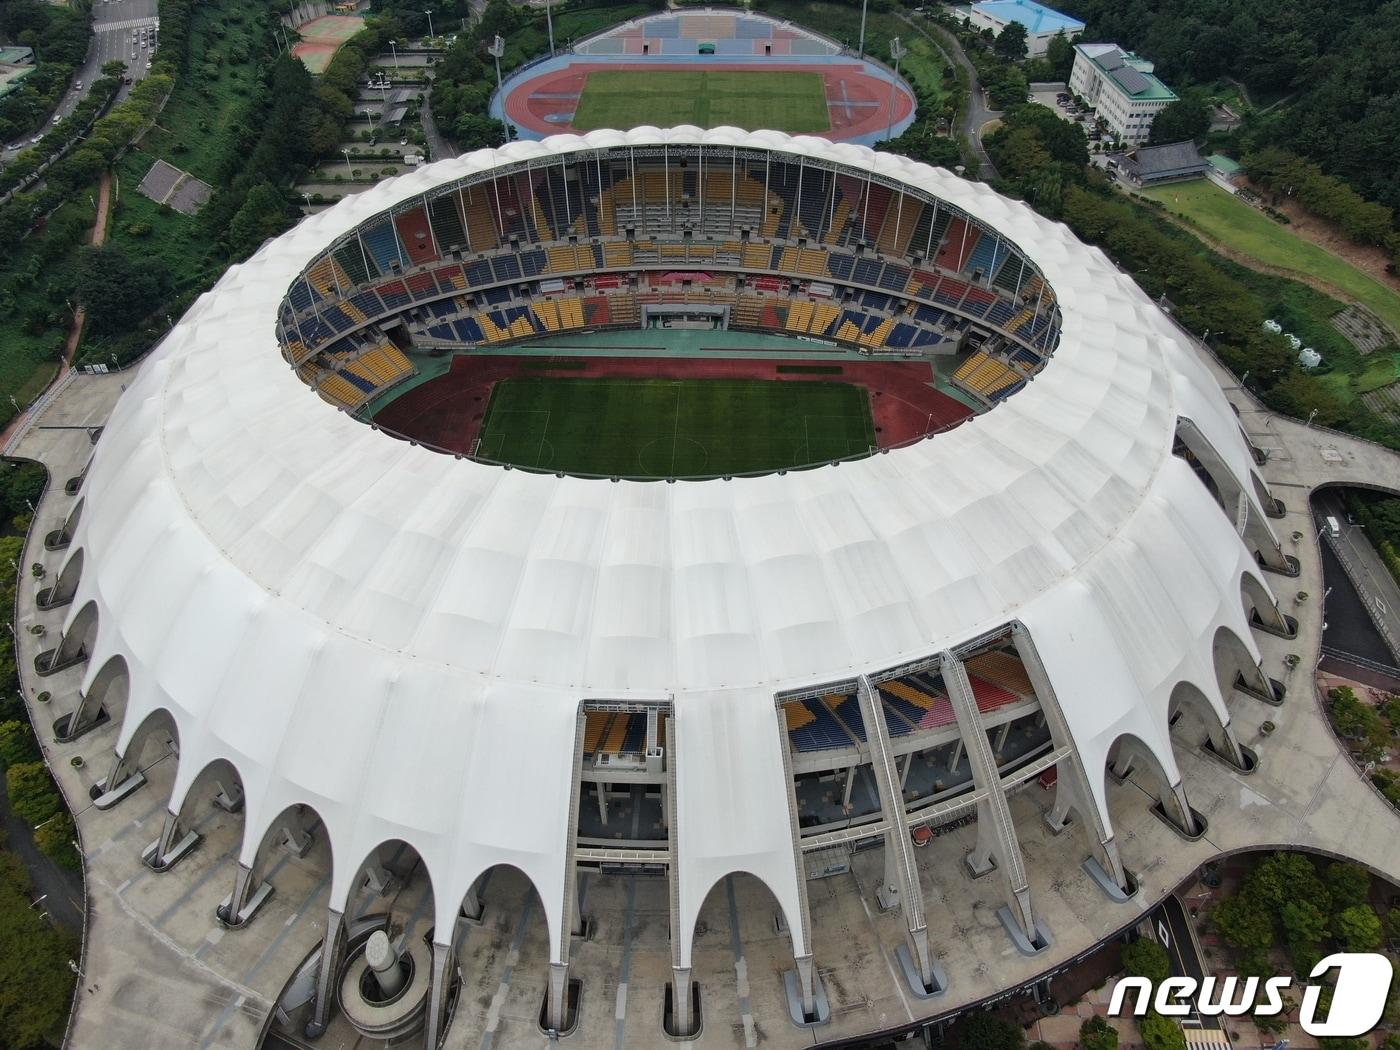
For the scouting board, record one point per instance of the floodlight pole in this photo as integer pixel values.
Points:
(430, 24)
(549, 21)
(496, 49)
(395, 50)
(861, 46)
(897, 51)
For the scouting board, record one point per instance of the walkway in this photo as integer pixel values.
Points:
(159, 929)
(977, 113)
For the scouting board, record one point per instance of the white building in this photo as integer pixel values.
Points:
(1121, 87)
(1042, 23)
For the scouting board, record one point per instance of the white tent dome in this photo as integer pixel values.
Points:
(326, 607)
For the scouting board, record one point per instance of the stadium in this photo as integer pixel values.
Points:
(709, 68)
(403, 567)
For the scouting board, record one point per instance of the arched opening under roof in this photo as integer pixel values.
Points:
(719, 930)
(1236, 669)
(104, 701)
(1244, 507)
(65, 586)
(1194, 719)
(1262, 609)
(295, 836)
(1129, 754)
(156, 738)
(62, 536)
(218, 784)
(74, 646)
(514, 915)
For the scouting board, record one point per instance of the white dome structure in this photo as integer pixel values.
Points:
(407, 643)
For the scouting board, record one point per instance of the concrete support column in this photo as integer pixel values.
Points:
(1227, 745)
(996, 831)
(89, 706)
(169, 835)
(681, 1015)
(331, 946)
(1072, 789)
(602, 792)
(1002, 734)
(472, 904)
(1181, 806)
(228, 797)
(243, 885)
(384, 961)
(904, 773)
(1058, 817)
(121, 770)
(436, 1024)
(850, 783)
(576, 912)
(957, 755)
(806, 978)
(558, 1006)
(918, 940)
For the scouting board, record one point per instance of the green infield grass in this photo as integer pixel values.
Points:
(656, 428)
(792, 102)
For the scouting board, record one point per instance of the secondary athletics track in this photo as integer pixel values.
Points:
(321, 39)
(447, 412)
(857, 101)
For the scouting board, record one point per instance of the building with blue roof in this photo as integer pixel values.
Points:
(1042, 23)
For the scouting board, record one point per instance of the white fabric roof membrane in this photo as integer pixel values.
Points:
(400, 639)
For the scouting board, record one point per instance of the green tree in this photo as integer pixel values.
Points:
(119, 289)
(1146, 958)
(35, 982)
(1358, 928)
(16, 743)
(263, 214)
(55, 839)
(1245, 923)
(1060, 55)
(1186, 118)
(1161, 1033)
(1098, 1034)
(1011, 42)
(32, 796)
(981, 1030)
(1350, 885)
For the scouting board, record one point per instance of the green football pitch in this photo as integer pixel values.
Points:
(658, 428)
(792, 102)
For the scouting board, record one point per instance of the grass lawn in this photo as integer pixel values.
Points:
(673, 428)
(1249, 231)
(751, 100)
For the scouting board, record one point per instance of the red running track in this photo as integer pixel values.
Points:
(528, 105)
(446, 412)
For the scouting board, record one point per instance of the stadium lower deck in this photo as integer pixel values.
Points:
(684, 239)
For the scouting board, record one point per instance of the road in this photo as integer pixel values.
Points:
(1173, 927)
(977, 114)
(1374, 584)
(112, 23)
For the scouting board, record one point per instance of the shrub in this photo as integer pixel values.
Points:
(56, 839)
(32, 796)
(1098, 1034)
(1161, 1033)
(1145, 958)
(1358, 928)
(16, 744)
